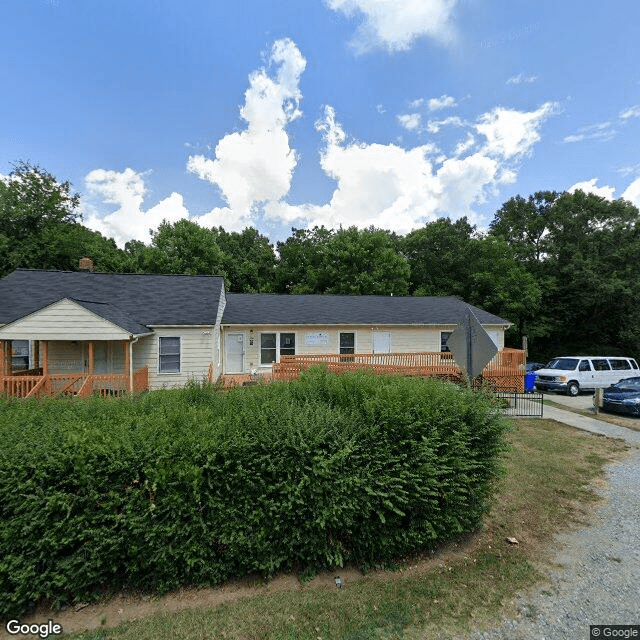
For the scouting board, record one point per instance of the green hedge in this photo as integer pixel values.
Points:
(195, 486)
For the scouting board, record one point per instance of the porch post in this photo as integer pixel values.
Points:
(127, 368)
(9, 359)
(3, 358)
(91, 358)
(45, 358)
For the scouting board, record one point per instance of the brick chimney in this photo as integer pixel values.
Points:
(86, 264)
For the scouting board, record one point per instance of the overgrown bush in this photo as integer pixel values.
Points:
(194, 486)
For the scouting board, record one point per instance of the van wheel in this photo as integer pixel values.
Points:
(573, 389)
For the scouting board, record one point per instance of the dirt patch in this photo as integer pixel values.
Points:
(113, 611)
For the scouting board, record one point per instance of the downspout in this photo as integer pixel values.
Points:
(131, 343)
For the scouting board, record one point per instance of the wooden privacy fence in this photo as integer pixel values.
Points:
(505, 371)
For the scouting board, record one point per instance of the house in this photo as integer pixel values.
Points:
(89, 331)
(258, 329)
(82, 332)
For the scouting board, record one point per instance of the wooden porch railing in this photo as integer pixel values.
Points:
(504, 371)
(77, 384)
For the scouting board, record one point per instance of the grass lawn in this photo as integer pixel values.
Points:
(468, 583)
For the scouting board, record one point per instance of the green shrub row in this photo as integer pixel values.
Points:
(194, 486)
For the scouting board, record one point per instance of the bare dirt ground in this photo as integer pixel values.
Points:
(114, 610)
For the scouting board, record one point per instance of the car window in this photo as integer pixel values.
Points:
(564, 363)
(601, 365)
(584, 365)
(618, 364)
(628, 383)
(634, 364)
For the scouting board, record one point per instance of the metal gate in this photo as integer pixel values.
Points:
(521, 404)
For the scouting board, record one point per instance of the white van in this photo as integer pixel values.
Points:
(573, 374)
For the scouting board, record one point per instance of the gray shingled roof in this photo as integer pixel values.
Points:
(265, 308)
(132, 301)
(112, 313)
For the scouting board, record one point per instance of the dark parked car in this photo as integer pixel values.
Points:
(534, 366)
(623, 397)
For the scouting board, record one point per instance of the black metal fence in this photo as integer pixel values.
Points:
(521, 404)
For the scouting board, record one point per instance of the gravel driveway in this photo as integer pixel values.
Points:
(598, 578)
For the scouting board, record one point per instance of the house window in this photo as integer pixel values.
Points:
(274, 345)
(19, 355)
(267, 348)
(287, 344)
(347, 342)
(169, 355)
(444, 336)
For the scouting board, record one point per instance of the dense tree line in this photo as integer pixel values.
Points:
(563, 267)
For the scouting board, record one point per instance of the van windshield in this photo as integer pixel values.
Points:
(563, 363)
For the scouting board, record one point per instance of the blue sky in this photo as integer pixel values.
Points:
(292, 113)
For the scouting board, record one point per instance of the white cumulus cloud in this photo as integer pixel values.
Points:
(410, 121)
(256, 165)
(511, 133)
(126, 190)
(443, 102)
(396, 24)
(590, 186)
(385, 185)
(632, 192)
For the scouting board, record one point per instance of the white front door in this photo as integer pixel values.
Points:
(381, 342)
(234, 352)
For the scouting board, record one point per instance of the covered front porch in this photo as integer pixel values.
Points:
(72, 367)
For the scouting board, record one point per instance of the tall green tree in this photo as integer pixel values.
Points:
(300, 263)
(439, 256)
(184, 247)
(249, 260)
(40, 225)
(525, 224)
(346, 261)
(584, 252)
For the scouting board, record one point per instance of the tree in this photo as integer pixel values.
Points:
(584, 252)
(249, 260)
(300, 261)
(33, 204)
(439, 256)
(525, 223)
(346, 261)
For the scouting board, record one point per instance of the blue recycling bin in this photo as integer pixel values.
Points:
(529, 381)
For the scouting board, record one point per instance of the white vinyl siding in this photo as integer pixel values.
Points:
(63, 320)
(198, 350)
(321, 339)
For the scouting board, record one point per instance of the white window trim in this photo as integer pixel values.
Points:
(171, 373)
(450, 331)
(355, 342)
(270, 364)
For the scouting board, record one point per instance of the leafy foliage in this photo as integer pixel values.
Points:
(564, 268)
(194, 486)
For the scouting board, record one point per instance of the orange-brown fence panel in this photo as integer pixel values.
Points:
(504, 371)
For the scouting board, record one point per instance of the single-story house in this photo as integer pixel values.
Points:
(84, 329)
